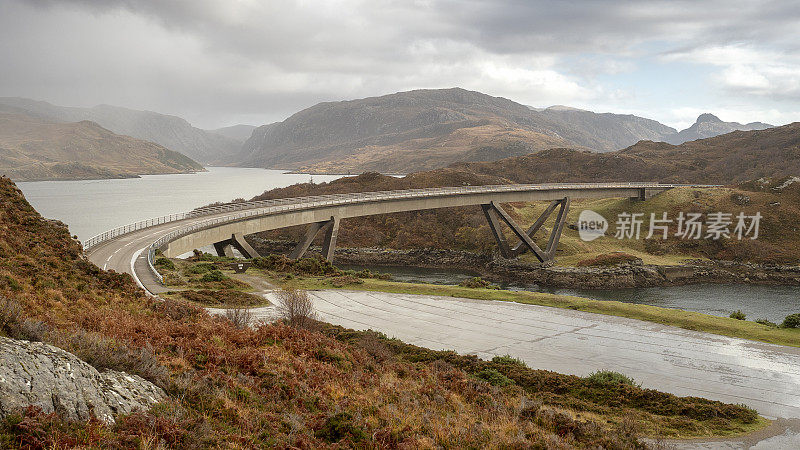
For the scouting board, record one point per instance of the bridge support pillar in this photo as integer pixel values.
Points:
(225, 248)
(642, 195)
(331, 229)
(493, 212)
(329, 244)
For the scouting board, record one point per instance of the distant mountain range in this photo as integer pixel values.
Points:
(730, 158)
(709, 125)
(32, 148)
(171, 132)
(426, 129)
(238, 133)
(398, 133)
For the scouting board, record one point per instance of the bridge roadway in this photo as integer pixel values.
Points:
(125, 249)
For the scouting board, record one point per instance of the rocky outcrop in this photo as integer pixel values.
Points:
(38, 374)
(628, 275)
(636, 274)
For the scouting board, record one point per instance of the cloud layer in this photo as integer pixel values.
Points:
(218, 62)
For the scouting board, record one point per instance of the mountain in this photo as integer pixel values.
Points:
(608, 131)
(35, 149)
(426, 129)
(729, 158)
(238, 133)
(709, 125)
(171, 132)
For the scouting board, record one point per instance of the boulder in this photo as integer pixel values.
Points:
(38, 374)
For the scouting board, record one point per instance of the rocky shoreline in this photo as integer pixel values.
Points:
(628, 275)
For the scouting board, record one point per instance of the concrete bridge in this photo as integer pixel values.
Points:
(131, 248)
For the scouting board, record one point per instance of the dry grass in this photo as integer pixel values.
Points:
(295, 308)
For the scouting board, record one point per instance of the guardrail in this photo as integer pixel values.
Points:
(151, 256)
(266, 207)
(252, 209)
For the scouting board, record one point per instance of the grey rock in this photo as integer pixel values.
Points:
(38, 374)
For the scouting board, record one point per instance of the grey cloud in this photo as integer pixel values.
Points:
(217, 61)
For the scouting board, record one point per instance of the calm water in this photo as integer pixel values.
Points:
(770, 302)
(90, 207)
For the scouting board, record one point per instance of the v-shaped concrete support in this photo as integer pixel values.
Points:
(331, 229)
(493, 211)
(236, 241)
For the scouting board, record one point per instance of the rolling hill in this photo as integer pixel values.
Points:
(729, 158)
(35, 149)
(168, 131)
(427, 129)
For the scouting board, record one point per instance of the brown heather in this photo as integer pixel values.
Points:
(278, 386)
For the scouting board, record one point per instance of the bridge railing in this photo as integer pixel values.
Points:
(332, 199)
(246, 210)
(267, 207)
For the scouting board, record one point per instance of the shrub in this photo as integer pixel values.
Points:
(738, 315)
(494, 377)
(345, 280)
(477, 283)
(164, 263)
(222, 297)
(791, 321)
(103, 353)
(766, 322)
(14, 324)
(295, 308)
(214, 275)
(338, 427)
(607, 377)
(508, 359)
(200, 268)
(240, 317)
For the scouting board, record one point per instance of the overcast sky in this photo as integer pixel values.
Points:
(222, 62)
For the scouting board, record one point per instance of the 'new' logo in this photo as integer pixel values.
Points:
(591, 225)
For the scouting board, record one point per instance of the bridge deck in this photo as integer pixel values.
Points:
(180, 233)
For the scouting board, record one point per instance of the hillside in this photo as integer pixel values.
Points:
(171, 132)
(709, 125)
(238, 133)
(427, 129)
(730, 158)
(280, 386)
(610, 131)
(34, 149)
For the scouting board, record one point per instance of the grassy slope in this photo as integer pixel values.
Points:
(778, 237)
(730, 158)
(279, 386)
